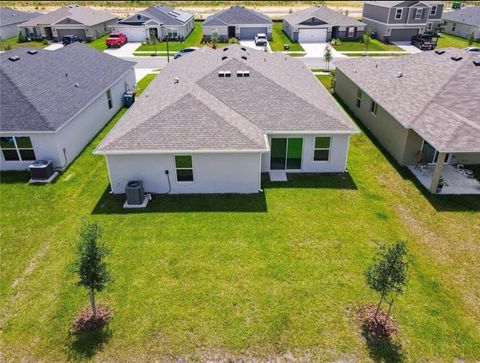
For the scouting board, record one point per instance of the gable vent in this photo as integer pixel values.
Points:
(456, 58)
(32, 52)
(399, 75)
(14, 58)
(224, 57)
(243, 73)
(439, 52)
(244, 57)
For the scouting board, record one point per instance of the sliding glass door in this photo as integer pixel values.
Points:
(430, 154)
(286, 153)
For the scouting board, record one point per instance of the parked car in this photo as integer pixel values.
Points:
(69, 39)
(184, 51)
(116, 39)
(424, 42)
(472, 49)
(261, 39)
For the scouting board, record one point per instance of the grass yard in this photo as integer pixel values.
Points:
(375, 44)
(240, 276)
(447, 40)
(11, 43)
(296, 54)
(326, 81)
(99, 43)
(280, 38)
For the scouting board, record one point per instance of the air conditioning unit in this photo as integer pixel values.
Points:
(136, 197)
(42, 171)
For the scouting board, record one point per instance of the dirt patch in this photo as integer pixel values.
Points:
(31, 266)
(85, 320)
(382, 326)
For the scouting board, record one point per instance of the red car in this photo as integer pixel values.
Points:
(116, 40)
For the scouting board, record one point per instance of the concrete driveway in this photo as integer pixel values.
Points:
(125, 51)
(317, 50)
(54, 46)
(251, 44)
(407, 47)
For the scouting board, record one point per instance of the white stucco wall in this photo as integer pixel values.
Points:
(337, 158)
(212, 172)
(76, 134)
(8, 31)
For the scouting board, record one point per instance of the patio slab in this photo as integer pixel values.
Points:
(457, 183)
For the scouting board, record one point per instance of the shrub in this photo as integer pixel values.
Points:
(45, 41)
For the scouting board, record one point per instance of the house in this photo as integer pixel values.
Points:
(463, 22)
(86, 23)
(52, 104)
(401, 20)
(159, 20)
(237, 22)
(212, 122)
(10, 19)
(320, 24)
(420, 107)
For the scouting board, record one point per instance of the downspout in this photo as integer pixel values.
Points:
(260, 175)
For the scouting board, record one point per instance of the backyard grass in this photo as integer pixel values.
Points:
(280, 39)
(375, 44)
(99, 43)
(240, 276)
(11, 43)
(447, 40)
(326, 81)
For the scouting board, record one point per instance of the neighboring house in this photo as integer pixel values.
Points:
(320, 24)
(54, 102)
(424, 102)
(10, 19)
(159, 21)
(212, 122)
(86, 23)
(463, 22)
(237, 22)
(401, 20)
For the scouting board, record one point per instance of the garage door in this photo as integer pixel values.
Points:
(133, 34)
(78, 32)
(249, 33)
(312, 35)
(403, 34)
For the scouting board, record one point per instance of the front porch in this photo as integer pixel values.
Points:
(456, 182)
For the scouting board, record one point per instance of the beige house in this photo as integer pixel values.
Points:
(423, 108)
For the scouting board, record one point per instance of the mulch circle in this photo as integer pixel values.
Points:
(86, 322)
(378, 328)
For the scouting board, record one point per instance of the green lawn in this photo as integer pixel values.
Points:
(447, 40)
(326, 81)
(11, 43)
(375, 44)
(193, 40)
(240, 276)
(99, 43)
(280, 38)
(296, 54)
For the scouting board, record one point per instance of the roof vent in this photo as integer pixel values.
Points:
(399, 75)
(244, 57)
(176, 80)
(477, 62)
(77, 85)
(439, 52)
(224, 74)
(225, 49)
(14, 58)
(243, 48)
(32, 51)
(456, 58)
(224, 57)
(228, 74)
(243, 73)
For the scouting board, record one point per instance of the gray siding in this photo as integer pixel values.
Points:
(461, 30)
(374, 12)
(439, 13)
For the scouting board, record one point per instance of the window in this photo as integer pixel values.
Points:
(359, 97)
(453, 27)
(418, 13)
(429, 26)
(172, 33)
(398, 13)
(433, 10)
(17, 148)
(351, 32)
(321, 151)
(109, 99)
(373, 108)
(184, 168)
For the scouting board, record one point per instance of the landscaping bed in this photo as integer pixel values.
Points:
(280, 38)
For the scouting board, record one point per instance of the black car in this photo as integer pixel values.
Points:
(69, 39)
(424, 42)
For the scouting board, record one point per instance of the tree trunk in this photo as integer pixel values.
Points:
(390, 304)
(92, 302)
(378, 307)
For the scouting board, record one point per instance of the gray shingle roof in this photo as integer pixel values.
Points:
(237, 15)
(324, 14)
(162, 14)
(188, 106)
(469, 15)
(36, 94)
(81, 14)
(435, 96)
(11, 16)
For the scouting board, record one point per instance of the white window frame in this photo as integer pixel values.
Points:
(396, 13)
(373, 108)
(168, 30)
(418, 11)
(17, 149)
(433, 10)
(429, 26)
(176, 168)
(109, 99)
(322, 148)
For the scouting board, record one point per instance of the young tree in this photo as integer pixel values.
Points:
(366, 38)
(470, 38)
(214, 38)
(388, 273)
(327, 56)
(90, 265)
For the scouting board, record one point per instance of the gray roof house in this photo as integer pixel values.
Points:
(400, 20)
(52, 105)
(237, 22)
(463, 22)
(421, 107)
(84, 22)
(212, 122)
(159, 21)
(10, 19)
(318, 23)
